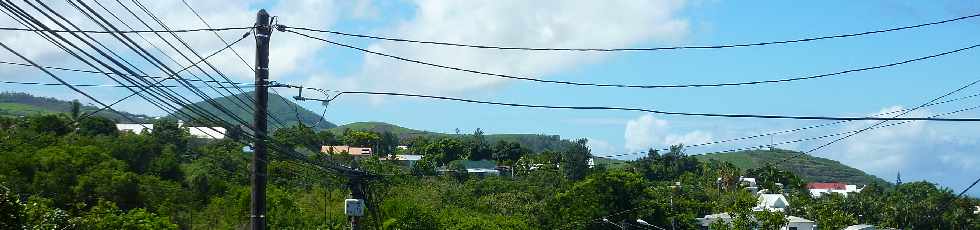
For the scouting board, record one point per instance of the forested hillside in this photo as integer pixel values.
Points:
(58, 174)
(24, 104)
(810, 168)
(282, 112)
(534, 142)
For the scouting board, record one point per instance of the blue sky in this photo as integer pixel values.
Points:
(943, 152)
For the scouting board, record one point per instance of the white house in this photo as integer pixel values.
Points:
(408, 160)
(818, 189)
(196, 132)
(207, 132)
(794, 222)
(135, 128)
(860, 227)
(772, 203)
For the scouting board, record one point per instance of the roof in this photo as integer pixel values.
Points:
(831, 186)
(773, 202)
(207, 132)
(484, 164)
(860, 227)
(355, 151)
(406, 157)
(795, 219)
(137, 128)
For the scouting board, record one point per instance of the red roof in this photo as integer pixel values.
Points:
(831, 186)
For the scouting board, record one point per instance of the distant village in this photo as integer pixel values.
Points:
(771, 201)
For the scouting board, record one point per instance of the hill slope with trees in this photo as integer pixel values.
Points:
(809, 168)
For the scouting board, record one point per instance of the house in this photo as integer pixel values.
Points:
(478, 168)
(404, 159)
(749, 184)
(207, 132)
(339, 149)
(860, 227)
(793, 222)
(196, 132)
(818, 189)
(976, 210)
(772, 203)
(135, 128)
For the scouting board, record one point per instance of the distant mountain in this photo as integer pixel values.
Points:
(24, 104)
(280, 108)
(810, 168)
(535, 142)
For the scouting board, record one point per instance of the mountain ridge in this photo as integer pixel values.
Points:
(809, 168)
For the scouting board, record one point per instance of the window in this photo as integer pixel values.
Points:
(792, 228)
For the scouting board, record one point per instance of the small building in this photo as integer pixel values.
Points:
(135, 128)
(793, 222)
(478, 168)
(404, 159)
(860, 227)
(207, 132)
(340, 149)
(772, 203)
(976, 210)
(818, 189)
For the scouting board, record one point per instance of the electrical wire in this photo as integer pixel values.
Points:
(484, 73)
(126, 31)
(635, 49)
(650, 110)
(788, 130)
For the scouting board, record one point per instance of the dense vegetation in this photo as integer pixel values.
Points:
(534, 142)
(808, 167)
(57, 174)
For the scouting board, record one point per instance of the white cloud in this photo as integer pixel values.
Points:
(934, 151)
(600, 147)
(288, 55)
(577, 23)
(647, 132)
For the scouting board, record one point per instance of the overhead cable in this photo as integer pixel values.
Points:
(634, 49)
(484, 73)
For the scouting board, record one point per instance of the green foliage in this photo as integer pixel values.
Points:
(93, 126)
(806, 167)
(106, 215)
(52, 124)
(574, 162)
(89, 180)
(11, 210)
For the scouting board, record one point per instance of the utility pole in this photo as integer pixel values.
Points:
(354, 207)
(263, 31)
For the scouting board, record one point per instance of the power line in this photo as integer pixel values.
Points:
(883, 121)
(109, 73)
(789, 131)
(649, 110)
(126, 31)
(633, 49)
(629, 85)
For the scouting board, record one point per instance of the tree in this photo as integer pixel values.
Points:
(479, 148)
(49, 124)
(575, 161)
(11, 210)
(357, 138)
(106, 215)
(508, 153)
(167, 131)
(297, 136)
(776, 220)
(93, 126)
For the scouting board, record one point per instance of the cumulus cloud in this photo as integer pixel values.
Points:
(578, 23)
(647, 132)
(600, 147)
(289, 55)
(933, 151)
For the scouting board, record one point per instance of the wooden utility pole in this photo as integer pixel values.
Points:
(263, 31)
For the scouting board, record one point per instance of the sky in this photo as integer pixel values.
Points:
(942, 152)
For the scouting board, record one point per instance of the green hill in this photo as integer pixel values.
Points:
(24, 104)
(280, 108)
(535, 142)
(810, 168)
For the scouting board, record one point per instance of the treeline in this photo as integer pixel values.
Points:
(60, 174)
(58, 106)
